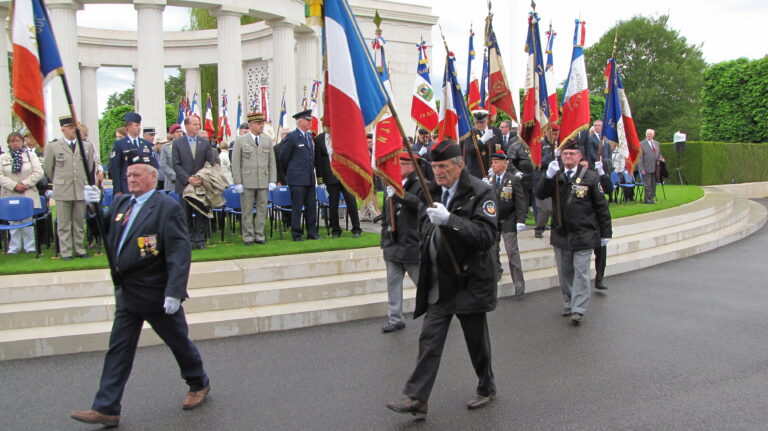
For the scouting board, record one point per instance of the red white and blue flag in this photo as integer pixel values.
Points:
(618, 125)
(576, 91)
(355, 98)
(208, 124)
(536, 107)
(224, 131)
(239, 113)
(283, 112)
(314, 106)
(423, 106)
(549, 75)
(473, 86)
(36, 60)
(194, 108)
(264, 98)
(182, 114)
(499, 94)
(454, 121)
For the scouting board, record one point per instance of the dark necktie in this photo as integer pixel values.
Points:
(446, 195)
(72, 146)
(568, 174)
(256, 140)
(498, 181)
(309, 141)
(136, 143)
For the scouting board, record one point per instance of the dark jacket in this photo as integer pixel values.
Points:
(471, 234)
(546, 159)
(143, 280)
(585, 215)
(519, 156)
(184, 165)
(118, 161)
(402, 244)
(323, 162)
(590, 149)
(297, 159)
(486, 149)
(513, 208)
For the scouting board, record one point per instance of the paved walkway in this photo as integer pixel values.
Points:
(679, 346)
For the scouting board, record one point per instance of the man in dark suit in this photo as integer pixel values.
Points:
(190, 152)
(461, 282)
(323, 151)
(604, 148)
(122, 147)
(150, 252)
(489, 141)
(297, 158)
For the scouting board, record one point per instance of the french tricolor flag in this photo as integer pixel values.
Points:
(618, 124)
(535, 121)
(355, 98)
(423, 106)
(454, 118)
(576, 91)
(36, 59)
(549, 76)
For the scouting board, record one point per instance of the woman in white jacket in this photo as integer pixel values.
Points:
(20, 171)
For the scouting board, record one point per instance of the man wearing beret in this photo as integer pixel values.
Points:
(118, 162)
(513, 209)
(489, 141)
(457, 276)
(149, 245)
(580, 223)
(254, 172)
(297, 158)
(63, 165)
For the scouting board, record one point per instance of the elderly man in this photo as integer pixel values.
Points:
(122, 147)
(456, 277)
(488, 142)
(151, 256)
(297, 158)
(582, 224)
(648, 164)
(63, 165)
(254, 172)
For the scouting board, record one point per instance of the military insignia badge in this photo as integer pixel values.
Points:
(489, 208)
(112, 155)
(580, 191)
(119, 217)
(147, 245)
(507, 192)
(425, 92)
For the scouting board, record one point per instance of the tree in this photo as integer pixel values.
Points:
(121, 99)
(734, 97)
(661, 72)
(174, 91)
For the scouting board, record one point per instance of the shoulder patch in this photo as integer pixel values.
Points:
(112, 155)
(600, 187)
(489, 208)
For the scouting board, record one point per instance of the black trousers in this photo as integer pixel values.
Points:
(123, 340)
(431, 343)
(303, 196)
(197, 225)
(600, 260)
(333, 211)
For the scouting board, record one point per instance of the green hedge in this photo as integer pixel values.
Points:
(707, 163)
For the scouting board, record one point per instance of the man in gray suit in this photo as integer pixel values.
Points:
(254, 171)
(189, 154)
(651, 157)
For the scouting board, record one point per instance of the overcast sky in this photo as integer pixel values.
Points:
(725, 30)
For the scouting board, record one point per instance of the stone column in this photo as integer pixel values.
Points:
(230, 56)
(90, 110)
(283, 71)
(5, 93)
(308, 59)
(150, 79)
(191, 81)
(63, 14)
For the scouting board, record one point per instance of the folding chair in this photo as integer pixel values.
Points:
(232, 209)
(17, 209)
(323, 205)
(615, 181)
(281, 203)
(44, 214)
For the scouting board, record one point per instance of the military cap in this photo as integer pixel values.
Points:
(556, 127)
(423, 132)
(405, 155)
(135, 158)
(480, 114)
(446, 149)
(256, 117)
(307, 115)
(499, 155)
(243, 126)
(132, 117)
(149, 130)
(65, 120)
(174, 128)
(571, 144)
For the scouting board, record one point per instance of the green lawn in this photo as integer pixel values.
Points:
(26, 263)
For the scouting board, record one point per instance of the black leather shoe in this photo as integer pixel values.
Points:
(538, 235)
(409, 405)
(260, 241)
(298, 238)
(601, 286)
(248, 243)
(392, 327)
(355, 234)
(479, 401)
(84, 256)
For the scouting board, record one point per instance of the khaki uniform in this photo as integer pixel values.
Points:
(254, 166)
(65, 171)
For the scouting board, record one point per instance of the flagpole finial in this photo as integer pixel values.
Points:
(533, 5)
(377, 20)
(615, 43)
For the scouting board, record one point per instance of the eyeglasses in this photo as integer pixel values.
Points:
(570, 153)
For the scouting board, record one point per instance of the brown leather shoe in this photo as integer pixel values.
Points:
(477, 401)
(94, 417)
(409, 405)
(194, 399)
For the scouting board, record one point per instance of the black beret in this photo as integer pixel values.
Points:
(303, 114)
(571, 144)
(500, 156)
(446, 149)
(135, 158)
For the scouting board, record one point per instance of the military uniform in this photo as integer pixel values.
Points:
(493, 145)
(512, 209)
(254, 167)
(118, 160)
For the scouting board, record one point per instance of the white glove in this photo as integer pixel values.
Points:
(490, 172)
(423, 150)
(390, 191)
(519, 175)
(604, 241)
(487, 135)
(92, 194)
(553, 169)
(272, 186)
(486, 180)
(599, 168)
(557, 152)
(48, 194)
(322, 186)
(439, 214)
(520, 227)
(238, 188)
(171, 305)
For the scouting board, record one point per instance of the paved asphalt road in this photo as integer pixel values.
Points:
(681, 346)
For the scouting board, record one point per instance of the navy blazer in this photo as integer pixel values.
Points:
(297, 159)
(118, 159)
(144, 279)
(184, 165)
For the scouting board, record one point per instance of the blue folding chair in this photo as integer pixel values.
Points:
(232, 208)
(17, 209)
(106, 201)
(615, 181)
(323, 205)
(281, 204)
